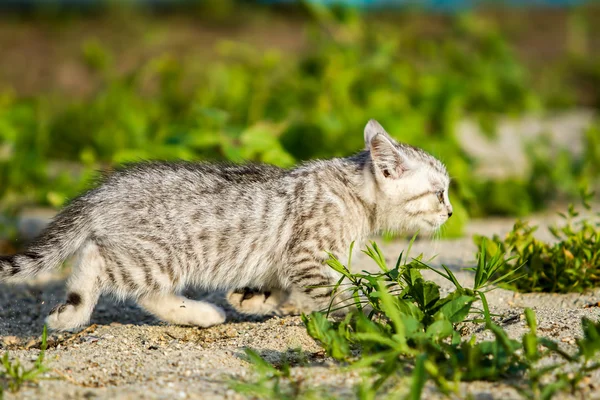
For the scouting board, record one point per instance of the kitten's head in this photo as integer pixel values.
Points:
(411, 185)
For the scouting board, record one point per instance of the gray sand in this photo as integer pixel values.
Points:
(127, 354)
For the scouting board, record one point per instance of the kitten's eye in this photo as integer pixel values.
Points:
(440, 196)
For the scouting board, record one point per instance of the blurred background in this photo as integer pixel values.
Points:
(506, 93)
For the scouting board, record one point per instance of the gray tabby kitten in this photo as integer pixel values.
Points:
(152, 229)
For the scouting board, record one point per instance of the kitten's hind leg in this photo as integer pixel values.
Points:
(179, 310)
(83, 290)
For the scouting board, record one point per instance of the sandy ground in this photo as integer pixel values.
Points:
(127, 354)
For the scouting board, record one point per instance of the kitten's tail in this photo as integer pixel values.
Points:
(65, 234)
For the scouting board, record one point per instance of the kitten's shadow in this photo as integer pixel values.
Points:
(291, 357)
(24, 307)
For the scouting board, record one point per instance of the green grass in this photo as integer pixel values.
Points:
(402, 325)
(570, 264)
(13, 375)
(275, 383)
(279, 108)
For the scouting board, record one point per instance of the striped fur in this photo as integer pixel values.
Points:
(151, 229)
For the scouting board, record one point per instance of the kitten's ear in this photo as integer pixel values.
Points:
(387, 159)
(372, 129)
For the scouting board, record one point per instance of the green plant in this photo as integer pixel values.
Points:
(13, 375)
(273, 383)
(571, 264)
(536, 348)
(402, 323)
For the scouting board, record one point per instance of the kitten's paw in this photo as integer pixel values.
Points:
(288, 308)
(252, 301)
(66, 317)
(179, 310)
(268, 302)
(209, 315)
(257, 302)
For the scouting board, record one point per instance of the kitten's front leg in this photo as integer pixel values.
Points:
(314, 288)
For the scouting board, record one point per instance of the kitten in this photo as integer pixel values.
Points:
(151, 229)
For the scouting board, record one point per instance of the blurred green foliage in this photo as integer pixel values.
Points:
(571, 264)
(281, 108)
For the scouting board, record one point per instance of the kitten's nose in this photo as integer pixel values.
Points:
(449, 214)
